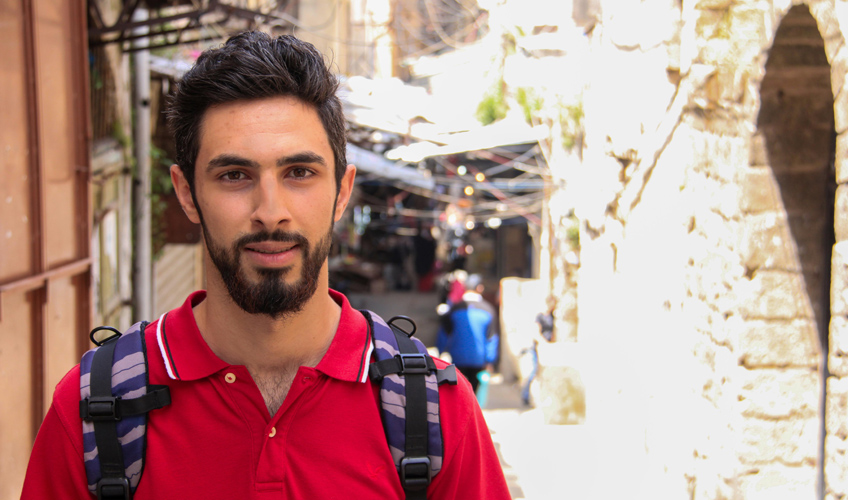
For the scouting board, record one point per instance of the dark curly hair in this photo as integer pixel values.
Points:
(253, 65)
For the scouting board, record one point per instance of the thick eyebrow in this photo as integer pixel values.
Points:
(230, 160)
(304, 157)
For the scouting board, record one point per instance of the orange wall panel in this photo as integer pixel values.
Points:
(16, 251)
(58, 126)
(44, 212)
(17, 419)
(61, 340)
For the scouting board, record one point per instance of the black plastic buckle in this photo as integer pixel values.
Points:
(415, 472)
(447, 375)
(98, 409)
(113, 488)
(414, 363)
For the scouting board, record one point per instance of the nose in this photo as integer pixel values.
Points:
(270, 203)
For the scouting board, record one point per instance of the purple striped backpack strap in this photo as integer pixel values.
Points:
(115, 397)
(409, 399)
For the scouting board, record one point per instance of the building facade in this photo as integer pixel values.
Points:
(713, 280)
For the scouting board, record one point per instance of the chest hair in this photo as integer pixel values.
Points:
(274, 387)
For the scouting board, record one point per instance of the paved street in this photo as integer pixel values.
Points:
(541, 462)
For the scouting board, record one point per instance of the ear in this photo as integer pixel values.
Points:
(184, 194)
(345, 189)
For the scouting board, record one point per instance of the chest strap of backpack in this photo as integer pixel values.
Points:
(409, 398)
(115, 398)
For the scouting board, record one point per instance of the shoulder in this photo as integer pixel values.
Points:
(483, 305)
(457, 407)
(66, 397)
(471, 467)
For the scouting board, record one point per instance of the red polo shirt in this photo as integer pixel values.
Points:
(216, 439)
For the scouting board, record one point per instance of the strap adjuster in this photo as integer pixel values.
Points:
(113, 488)
(415, 472)
(414, 363)
(100, 408)
(447, 375)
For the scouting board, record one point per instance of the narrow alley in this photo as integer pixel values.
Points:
(541, 462)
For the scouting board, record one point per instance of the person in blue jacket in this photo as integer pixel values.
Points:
(470, 332)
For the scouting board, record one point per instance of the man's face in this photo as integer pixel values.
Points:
(266, 198)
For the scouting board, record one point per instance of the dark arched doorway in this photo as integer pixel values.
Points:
(796, 124)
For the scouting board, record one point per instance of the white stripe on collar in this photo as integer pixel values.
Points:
(159, 340)
(367, 361)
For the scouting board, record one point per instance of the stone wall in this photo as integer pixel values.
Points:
(707, 298)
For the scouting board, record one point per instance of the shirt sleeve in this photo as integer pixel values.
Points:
(56, 469)
(472, 468)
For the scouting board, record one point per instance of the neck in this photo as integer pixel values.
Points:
(264, 344)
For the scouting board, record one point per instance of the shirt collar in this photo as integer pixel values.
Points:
(350, 352)
(188, 357)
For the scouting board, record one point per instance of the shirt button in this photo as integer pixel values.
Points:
(230, 378)
(273, 432)
(307, 379)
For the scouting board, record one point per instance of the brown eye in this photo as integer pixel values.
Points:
(300, 172)
(233, 175)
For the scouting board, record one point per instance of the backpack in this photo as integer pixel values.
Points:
(115, 398)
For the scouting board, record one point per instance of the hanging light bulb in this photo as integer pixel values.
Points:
(480, 177)
(469, 190)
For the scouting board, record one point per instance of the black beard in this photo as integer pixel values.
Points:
(270, 295)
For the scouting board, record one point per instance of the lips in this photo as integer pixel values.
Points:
(270, 247)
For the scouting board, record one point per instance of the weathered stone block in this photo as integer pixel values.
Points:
(837, 362)
(840, 222)
(774, 295)
(767, 243)
(841, 159)
(836, 467)
(759, 190)
(713, 4)
(791, 441)
(838, 67)
(758, 152)
(836, 407)
(562, 395)
(840, 110)
(828, 25)
(778, 343)
(780, 393)
(839, 280)
(778, 482)
(836, 441)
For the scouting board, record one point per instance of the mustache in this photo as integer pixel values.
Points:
(278, 235)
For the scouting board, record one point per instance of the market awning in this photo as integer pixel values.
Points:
(375, 164)
(498, 134)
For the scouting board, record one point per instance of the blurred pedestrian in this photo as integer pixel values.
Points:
(545, 323)
(457, 287)
(425, 257)
(470, 332)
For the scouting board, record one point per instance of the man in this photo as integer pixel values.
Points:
(267, 368)
(469, 332)
(545, 321)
